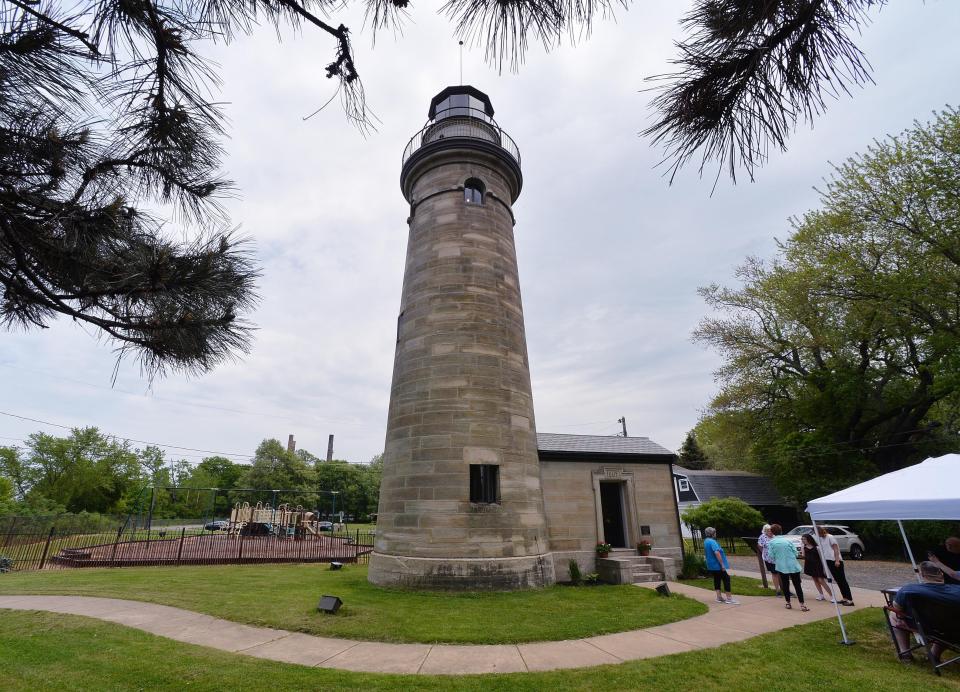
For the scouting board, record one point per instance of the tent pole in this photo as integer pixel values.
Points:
(833, 593)
(913, 562)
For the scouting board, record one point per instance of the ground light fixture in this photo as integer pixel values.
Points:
(329, 604)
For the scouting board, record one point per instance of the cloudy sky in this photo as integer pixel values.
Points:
(610, 255)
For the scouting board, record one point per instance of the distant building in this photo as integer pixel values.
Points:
(693, 488)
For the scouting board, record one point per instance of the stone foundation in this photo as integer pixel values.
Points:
(493, 574)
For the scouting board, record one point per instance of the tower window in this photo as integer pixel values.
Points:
(484, 483)
(473, 191)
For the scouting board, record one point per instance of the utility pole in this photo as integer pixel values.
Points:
(623, 421)
(330, 448)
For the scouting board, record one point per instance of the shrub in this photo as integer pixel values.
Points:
(576, 576)
(731, 516)
(693, 565)
(883, 539)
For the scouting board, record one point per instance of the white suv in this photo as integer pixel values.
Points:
(848, 541)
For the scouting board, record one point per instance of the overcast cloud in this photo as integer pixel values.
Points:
(610, 255)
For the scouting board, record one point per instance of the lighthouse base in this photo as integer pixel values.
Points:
(462, 574)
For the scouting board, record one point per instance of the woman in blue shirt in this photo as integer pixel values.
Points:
(717, 565)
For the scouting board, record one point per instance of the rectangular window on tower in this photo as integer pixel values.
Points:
(484, 483)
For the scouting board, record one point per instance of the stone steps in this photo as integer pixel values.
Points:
(641, 570)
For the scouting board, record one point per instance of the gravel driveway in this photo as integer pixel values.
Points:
(865, 574)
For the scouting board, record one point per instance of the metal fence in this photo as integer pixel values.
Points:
(36, 550)
(730, 544)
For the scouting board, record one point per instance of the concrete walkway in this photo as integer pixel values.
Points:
(724, 623)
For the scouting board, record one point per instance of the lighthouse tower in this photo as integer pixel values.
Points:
(460, 503)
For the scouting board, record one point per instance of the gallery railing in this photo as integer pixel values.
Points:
(461, 123)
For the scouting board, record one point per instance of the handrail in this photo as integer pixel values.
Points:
(461, 122)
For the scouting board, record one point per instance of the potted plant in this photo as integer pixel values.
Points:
(603, 549)
(643, 547)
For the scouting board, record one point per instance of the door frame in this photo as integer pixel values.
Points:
(628, 496)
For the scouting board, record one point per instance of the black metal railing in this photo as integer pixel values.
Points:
(462, 123)
(35, 550)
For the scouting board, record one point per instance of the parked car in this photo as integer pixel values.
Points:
(848, 541)
(219, 525)
(324, 526)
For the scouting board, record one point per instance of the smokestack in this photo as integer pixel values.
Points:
(330, 448)
(291, 444)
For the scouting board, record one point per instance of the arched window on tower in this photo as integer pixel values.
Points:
(473, 191)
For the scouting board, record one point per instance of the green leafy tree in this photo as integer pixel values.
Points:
(7, 500)
(274, 468)
(357, 485)
(13, 468)
(730, 516)
(691, 455)
(215, 472)
(85, 471)
(842, 356)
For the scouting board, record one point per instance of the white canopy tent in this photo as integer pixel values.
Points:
(928, 490)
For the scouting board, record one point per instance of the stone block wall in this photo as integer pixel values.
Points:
(461, 394)
(572, 505)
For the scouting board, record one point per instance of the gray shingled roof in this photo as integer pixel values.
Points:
(599, 444)
(749, 487)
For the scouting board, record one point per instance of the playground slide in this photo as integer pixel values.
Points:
(311, 529)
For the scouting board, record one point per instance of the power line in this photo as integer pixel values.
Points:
(181, 402)
(191, 458)
(128, 439)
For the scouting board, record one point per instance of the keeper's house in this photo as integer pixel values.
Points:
(617, 490)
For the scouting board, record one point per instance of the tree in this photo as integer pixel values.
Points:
(357, 485)
(7, 501)
(750, 70)
(106, 111)
(274, 468)
(842, 357)
(215, 472)
(83, 472)
(691, 455)
(730, 516)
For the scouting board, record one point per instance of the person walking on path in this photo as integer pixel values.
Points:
(784, 556)
(717, 566)
(831, 554)
(766, 535)
(813, 567)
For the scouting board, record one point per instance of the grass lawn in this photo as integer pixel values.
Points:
(45, 651)
(740, 586)
(286, 596)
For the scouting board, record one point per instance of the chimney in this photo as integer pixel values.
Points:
(330, 448)
(291, 444)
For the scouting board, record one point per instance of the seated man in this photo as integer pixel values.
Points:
(947, 558)
(932, 589)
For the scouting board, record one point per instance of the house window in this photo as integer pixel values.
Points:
(484, 483)
(683, 485)
(473, 191)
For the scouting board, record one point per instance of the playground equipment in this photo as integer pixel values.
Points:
(158, 504)
(262, 519)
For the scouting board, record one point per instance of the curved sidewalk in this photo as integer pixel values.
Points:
(724, 623)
